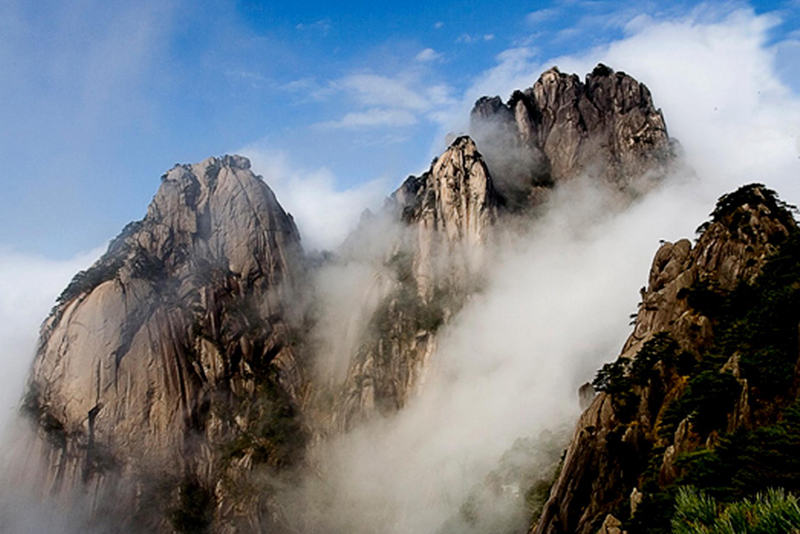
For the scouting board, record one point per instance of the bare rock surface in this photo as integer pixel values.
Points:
(177, 365)
(447, 215)
(562, 127)
(153, 359)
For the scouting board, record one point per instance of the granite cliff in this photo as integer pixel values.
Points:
(181, 367)
(606, 129)
(605, 126)
(174, 347)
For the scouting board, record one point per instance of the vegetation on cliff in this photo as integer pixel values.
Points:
(733, 403)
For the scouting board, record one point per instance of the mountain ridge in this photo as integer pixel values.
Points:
(182, 361)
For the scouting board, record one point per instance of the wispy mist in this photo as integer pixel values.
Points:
(560, 291)
(556, 300)
(324, 211)
(554, 308)
(29, 286)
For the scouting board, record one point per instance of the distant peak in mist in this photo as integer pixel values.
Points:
(606, 127)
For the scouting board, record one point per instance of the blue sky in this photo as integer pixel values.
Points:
(99, 98)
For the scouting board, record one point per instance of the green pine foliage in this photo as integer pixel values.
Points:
(747, 462)
(771, 512)
(744, 481)
(728, 204)
(624, 378)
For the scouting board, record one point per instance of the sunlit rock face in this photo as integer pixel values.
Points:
(451, 209)
(729, 251)
(606, 127)
(159, 355)
(561, 128)
(446, 217)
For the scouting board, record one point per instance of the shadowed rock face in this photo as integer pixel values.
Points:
(603, 461)
(561, 127)
(153, 359)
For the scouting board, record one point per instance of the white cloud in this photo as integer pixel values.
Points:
(308, 89)
(716, 78)
(398, 101)
(428, 55)
(29, 286)
(541, 15)
(324, 214)
(377, 90)
(322, 26)
(718, 85)
(373, 117)
(555, 307)
(556, 302)
(438, 25)
(467, 38)
(301, 84)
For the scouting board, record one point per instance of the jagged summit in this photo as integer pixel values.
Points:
(456, 195)
(185, 357)
(560, 127)
(216, 213)
(447, 216)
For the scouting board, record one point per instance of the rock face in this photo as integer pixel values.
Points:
(561, 127)
(451, 209)
(552, 132)
(181, 360)
(160, 354)
(611, 440)
(733, 248)
(447, 216)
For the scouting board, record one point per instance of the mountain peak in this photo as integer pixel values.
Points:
(187, 310)
(602, 70)
(457, 192)
(606, 127)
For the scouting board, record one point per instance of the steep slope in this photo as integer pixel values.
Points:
(561, 127)
(552, 132)
(175, 345)
(691, 370)
(182, 359)
(452, 208)
(447, 215)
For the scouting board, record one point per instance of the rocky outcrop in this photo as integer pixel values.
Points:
(611, 526)
(447, 215)
(552, 132)
(160, 364)
(746, 228)
(606, 127)
(451, 210)
(605, 457)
